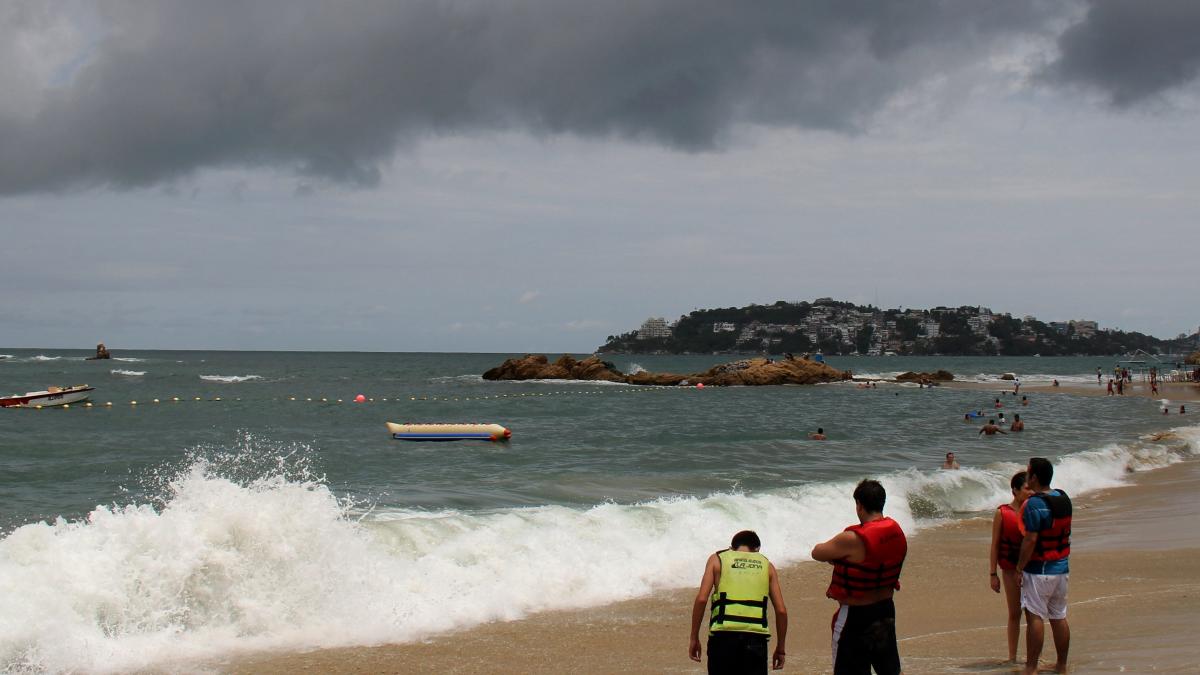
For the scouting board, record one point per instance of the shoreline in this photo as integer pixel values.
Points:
(1187, 392)
(1130, 607)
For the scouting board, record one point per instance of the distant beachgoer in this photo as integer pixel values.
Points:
(1056, 382)
(991, 429)
(1016, 386)
(1025, 399)
(1045, 565)
(1182, 410)
(1153, 386)
(998, 404)
(1005, 551)
(1097, 374)
(951, 462)
(737, 582)
(969, 417)
(1120, 387)
(819, 436)
(1001, 421)
(1166, 410)
(867, 559)
(1110, 386)
(1017, 424)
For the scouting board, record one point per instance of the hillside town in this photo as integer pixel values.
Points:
(835, 327)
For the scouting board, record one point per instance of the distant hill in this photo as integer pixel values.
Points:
(836, 327)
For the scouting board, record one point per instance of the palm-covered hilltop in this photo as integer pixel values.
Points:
(835, 327)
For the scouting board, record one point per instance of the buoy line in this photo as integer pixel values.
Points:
(361, 399)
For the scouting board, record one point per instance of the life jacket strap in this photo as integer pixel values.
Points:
(718, 615)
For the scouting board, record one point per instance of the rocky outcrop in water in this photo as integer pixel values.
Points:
(938, 376)
(746, 372)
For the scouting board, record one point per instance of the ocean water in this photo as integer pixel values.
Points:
(278, 517)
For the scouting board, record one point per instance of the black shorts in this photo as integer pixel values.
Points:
(864, 637)
(733, 653)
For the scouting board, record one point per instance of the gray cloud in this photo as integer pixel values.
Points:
(1131, 51)
(330, 90)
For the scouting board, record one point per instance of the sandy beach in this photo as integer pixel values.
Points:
(1132, 608)
(1186, 392)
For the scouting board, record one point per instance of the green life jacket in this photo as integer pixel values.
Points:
(739, 602)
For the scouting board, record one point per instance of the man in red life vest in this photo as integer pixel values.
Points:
(1045, 550)
(738, 582)
(866, 560)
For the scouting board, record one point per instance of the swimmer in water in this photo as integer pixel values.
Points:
(819, 436)
(1025, 400)
(999, 404)
(1017, 424)
(991, 429)
(951, 462)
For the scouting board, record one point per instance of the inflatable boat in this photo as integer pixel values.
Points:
(448, 432)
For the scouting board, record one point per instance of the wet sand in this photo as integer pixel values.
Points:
(1133, 608)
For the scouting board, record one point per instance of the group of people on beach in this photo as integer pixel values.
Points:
(1031, 545)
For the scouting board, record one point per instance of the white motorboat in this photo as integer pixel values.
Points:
(53, 396)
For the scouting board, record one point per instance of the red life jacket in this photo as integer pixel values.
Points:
(1010, 538)
(1054, 542)
(885, 547)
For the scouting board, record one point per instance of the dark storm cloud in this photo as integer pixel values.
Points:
(1131, 50)
(328, 89)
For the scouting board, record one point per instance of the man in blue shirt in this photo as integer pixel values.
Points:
(1044, 565)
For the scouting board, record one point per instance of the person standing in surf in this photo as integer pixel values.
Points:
(1045, 565)
(1005, 552)
(737, 584)
(867, 559)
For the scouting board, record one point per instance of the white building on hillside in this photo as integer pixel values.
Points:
(654, 328)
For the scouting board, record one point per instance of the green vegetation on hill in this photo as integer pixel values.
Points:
(835, 327)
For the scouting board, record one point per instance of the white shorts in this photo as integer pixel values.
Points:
(1045, 594)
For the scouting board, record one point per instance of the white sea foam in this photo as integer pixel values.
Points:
(127, 358)
(560, 382)
(1034, 378)
(458, 378)
(128, 373)
(43, 357)
(230, 378)
(5, 356)
(636, 368)
(223, 564)
(891, 375)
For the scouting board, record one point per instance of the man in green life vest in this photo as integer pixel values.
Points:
(737, 584)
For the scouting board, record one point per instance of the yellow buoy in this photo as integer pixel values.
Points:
(156, 400)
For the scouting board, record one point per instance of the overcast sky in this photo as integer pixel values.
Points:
(535, 175)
